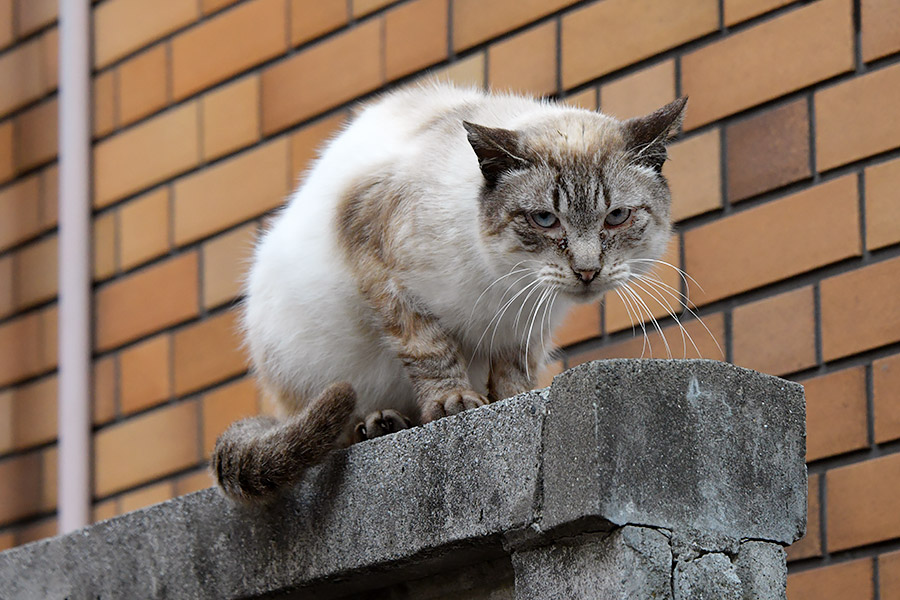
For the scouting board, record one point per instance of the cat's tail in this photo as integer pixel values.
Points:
(257, 457)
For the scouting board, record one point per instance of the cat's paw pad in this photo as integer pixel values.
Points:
(453, 403)
(379, 423)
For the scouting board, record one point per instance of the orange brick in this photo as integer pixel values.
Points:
(6, 35)
(880, 24)
(226, 260)
(621, 314)
(104, 245)
(882, 208)
(304, 85)
(851, 118)
(7, 411)
(7, 538)
(193, 482)
(741, 10)
(208, 352)
(123, 26)
(639, 93)
(37, 531)
(6, 285)
(550, 370)
(851, 579)
(808, 45)
(146, 374)
(20, 494)
(35, 135)
(33, 413)
(582, 323)
(364, 7)
(862, 503)
(49, 197)
(889, 575)
(859, 311)
(25, 348)
(50, 48)
(232, 191)
(32, 15)
(144, 224)
(475, 21)
(143, 84)
(464, 73)
(415, 36)
(23, 76)
(104, 97)
(694, 174)
(7, 162)
(586, 99)
(154, 150)
(225, 405)
(776, 335)
(786, 240)
(307, 143)
(144, 448)
(525, 62)
(141, 303)
(49, 478)
(836, 413)
(19, 211)
(312, 18)
(886, 382)
(811, 543)
(147, 496)
(605, 36)
(211, 6)
(104, 390)
(230, 117)
(227, 44)
(105, 510)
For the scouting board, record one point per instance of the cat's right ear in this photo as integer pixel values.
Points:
(496, 149)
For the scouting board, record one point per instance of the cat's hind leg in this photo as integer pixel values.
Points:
(379, 423)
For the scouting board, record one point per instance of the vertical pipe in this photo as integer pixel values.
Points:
(74, 495)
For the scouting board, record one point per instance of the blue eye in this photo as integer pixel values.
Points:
(544, 220)
(617, 217)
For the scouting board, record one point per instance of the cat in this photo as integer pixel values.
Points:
(424, 261)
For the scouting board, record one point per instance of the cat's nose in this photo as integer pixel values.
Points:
(585, 276)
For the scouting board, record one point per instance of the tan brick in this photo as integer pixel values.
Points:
(208, 352)
(23, 76)
(105, 510)
(7, 34)
(223, 406)
(146, 154)
(882, 208)
(525, 62)
(859, 311)
(36, 531)
(694, 174)
(768, 150)
(546, 375)
(19, 211)
(313, 18)
(32, 15)
(104, 98)
(211, 6)
(145, 448)
(231, 117)
(193, 482)
(740, 10)
(20, 494)
(7, 538)
(35, 272)
(364, 7)
(464, 73)
(415, 36)
(6, 420)
(836, 413)
(880, 24)
(232, 191)
(227, 44)
(49, 197)
(7, 159)
(50, 49)
(144, 224)
(582, 323)
(605, 36)
(143, 84)
(226, 260)
(307, 143)
(586, 99)
(852, 579)
(103, 238)
(147, 496)
(35, 135)
(146, 378)
(6, 285)
(475, 21)
(886, 383)
(123, 26)
(33, 413)
(776, 335)
(150, 299)
(862, 502)
(811, 543)
(852, 118)
(24, 346)
(889, 575)
(808, 45)
(304, 85)
(104, 390)
(639, 93)
(786, 240)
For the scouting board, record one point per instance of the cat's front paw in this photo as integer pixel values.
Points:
(379, 423)
(452, 403)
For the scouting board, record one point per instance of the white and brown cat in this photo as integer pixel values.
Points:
(423, 263)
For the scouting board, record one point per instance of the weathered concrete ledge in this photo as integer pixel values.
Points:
(624, 479)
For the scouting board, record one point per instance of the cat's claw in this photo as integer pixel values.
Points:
(453, 403)
(379, 423)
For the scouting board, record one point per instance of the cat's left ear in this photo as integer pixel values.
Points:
(497, 151)
(649, 134)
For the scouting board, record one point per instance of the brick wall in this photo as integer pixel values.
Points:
(784, 188)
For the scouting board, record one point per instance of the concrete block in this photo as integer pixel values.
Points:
(762, 568)
(709, 577)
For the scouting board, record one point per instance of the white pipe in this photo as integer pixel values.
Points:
(74, 491)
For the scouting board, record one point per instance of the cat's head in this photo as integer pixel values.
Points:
(577, 197)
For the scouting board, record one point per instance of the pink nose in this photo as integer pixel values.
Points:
(585, 276)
